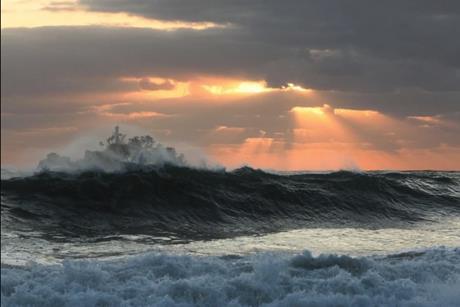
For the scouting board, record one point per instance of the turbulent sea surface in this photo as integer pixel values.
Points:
(177, 236)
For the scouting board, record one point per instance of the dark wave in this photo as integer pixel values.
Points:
(191, 203)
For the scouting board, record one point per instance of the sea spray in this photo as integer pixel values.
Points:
(427, 278)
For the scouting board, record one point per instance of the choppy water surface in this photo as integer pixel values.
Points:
(174, 236)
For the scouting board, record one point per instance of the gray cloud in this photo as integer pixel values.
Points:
(398, 57)
(421, 29)
(331, 45)
(148, 85)
(59, 59)
(81, 59)
(367, 45)
(58, 6)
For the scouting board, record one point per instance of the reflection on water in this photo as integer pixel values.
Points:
(18, 248)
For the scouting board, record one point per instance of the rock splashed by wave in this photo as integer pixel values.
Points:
(117, 155)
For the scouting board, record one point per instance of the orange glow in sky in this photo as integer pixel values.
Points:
(328, 138)
(238, 118)
(245, 87)
(203, 86)
(39, 13)
(228, 87)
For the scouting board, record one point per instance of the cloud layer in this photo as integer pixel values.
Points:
(397, 58)
(365, 45)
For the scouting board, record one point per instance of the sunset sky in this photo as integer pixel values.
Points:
(287, 85)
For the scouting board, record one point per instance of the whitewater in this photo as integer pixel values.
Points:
(174, 235)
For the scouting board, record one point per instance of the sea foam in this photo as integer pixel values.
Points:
(429, 278)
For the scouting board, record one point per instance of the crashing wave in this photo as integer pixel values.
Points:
(197, 203)
(429, 278)
(117, 154)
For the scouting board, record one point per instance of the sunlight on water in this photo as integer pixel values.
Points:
(17, 250)
(350, 241)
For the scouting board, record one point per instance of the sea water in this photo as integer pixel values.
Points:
(183, 237)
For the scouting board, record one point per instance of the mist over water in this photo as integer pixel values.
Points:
(73, 155)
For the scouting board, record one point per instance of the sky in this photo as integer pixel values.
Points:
(285, 85)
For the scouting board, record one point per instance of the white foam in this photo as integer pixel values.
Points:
(414, 279)
(9, 172)
(118, 152)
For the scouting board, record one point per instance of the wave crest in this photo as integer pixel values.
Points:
(203, 203)
(429, 278)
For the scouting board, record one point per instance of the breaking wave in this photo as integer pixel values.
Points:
(200, 204)
(426, 278)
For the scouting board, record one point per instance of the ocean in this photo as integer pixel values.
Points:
(181, 236)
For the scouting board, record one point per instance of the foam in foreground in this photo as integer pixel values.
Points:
(430, 278)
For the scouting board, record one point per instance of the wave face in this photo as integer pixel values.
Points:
(200, 204)
(429, 278)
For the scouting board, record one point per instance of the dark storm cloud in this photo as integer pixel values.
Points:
(66, 58)
(330, 45)
(422, 29)
(394, 56)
